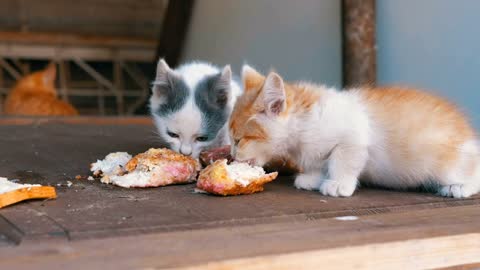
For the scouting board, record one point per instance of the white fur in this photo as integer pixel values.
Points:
(339, 140)
(187, 121)
(341, 130)
(455, 183)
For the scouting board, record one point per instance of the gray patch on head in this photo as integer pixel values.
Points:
(213, 103)
(175, 93)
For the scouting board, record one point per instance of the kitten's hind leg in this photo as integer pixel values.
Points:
(308, 181)
(345, 165)
(460, 184)
(463, 179)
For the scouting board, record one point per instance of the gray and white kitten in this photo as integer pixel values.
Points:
(190, 106)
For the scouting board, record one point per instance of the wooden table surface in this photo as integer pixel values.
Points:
(92, 225)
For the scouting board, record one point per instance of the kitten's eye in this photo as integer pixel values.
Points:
(173, 135)
(236, 142)
(202, 139)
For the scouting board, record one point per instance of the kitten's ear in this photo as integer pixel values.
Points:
(162, 79)
(163, 71)
(274, 97)
(222, 87)
(252, 80)
(50, 73)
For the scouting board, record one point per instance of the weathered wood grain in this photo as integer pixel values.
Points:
(172, 227)
(97, 17)
(58, 149)
(414, 240)
(9, 233)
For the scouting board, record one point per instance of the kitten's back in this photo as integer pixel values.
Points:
(416, 130)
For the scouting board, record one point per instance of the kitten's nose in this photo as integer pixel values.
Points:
(185, 150)
(186, 153)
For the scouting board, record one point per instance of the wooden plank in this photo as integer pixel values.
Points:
(63, 71)
(171, 227)
(413, 240)
(174, 31)
(33, 223)
(101, 100)
(411, 254)
(471, 266)
(359, 42)
(99, 78)
(9, 233)
(139, 78)
(88, 92)
(80, 120)
(100, 17)
(43, 52)
(90, 209)
(10, 69)
(68, 39)
(119, 85)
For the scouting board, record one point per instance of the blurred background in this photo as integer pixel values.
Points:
(106, 50)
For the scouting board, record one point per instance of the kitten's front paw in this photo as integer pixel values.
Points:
(336, 188)
(307, 181)
(455, 191)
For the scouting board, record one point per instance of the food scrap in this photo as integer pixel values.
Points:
(11, 192)
(237, 178)
(154, 168)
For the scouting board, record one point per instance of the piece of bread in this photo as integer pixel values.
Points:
(237, 178)
(112, 164)
(11, 193)
(154, 168)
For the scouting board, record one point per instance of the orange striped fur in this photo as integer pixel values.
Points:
(35, 95)
(415, 112)
(300, 98)
(389, 136)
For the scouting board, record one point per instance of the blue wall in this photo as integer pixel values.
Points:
(301, 39)
(433, 44)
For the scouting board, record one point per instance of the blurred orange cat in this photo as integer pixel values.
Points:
(35, 95)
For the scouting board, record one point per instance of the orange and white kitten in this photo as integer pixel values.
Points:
(35, 95)
(392, 137)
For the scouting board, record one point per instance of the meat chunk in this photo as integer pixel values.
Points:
(209, 156)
